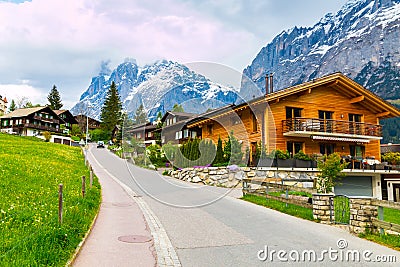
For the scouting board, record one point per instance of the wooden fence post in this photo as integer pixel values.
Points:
(83, 186)
(60, 203)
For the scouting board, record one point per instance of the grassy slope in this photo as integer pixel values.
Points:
(30, 172)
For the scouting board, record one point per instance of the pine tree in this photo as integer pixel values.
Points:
(140, 115)
(177, 108)
(219, 157)
(13, 106)
(54, 99)
(111, 112)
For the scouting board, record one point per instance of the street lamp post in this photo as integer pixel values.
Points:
(87, 123)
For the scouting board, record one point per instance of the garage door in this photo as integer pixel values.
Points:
(355, 186)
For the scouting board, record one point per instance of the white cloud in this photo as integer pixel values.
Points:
(63, 42)
(23, 90)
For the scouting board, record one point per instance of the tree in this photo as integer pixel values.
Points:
(219, 157)
(111, 112)
(13, 106)
(54, 99)
(330, 171)
(140, 115)
(177, 108)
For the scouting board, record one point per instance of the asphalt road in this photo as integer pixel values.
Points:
(209, 226)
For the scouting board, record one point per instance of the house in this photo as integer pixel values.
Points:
(386, 148)
(175, 129)
(30, 121)
(323, 116)
(142, 132)
(67, 120)
(3, 105)
(83, 120)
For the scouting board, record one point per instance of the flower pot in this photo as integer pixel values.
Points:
(267, 162)
(302, 163)
(285, 163)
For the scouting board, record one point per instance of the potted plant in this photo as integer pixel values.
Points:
(266, 160)
(302, 160)
(283, 158)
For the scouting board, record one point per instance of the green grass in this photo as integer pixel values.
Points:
(392, 241)
(391, 215)
(291, 209)
(294, 193)
(30, 172)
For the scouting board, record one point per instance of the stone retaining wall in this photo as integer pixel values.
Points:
(232, 176)
(321, 208)
(361, 214)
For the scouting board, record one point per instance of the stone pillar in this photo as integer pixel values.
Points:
(361, 214)
(321, 207)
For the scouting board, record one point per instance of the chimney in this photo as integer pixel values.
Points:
(271, 90)
(266, 84)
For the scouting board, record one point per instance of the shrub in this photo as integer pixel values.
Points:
(392, 157)
(330, 171)
(280, 154)
(301, 156)
(47, 136)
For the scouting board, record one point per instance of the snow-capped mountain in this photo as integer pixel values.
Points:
(158, 87)
(362, 40)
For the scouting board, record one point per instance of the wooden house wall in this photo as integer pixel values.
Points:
(322, 98)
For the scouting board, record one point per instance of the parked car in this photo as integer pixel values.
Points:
(100, 144)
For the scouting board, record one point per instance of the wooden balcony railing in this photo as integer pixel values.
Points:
(39, 127)
(46, 119)
(313, 125)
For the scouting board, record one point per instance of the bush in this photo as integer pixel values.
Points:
(280, 154)
(301, 156)
(47, 136)
(392, 158)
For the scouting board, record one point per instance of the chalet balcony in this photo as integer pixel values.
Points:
(39, 118)
(331, 130)
(39, 127)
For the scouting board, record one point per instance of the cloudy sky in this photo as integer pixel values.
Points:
(63, 42)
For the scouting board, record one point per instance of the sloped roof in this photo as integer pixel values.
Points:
(23, 112)
(337, 81)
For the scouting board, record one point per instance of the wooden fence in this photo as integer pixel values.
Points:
(278, 186)
(379, 222)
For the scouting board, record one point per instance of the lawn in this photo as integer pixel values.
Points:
(291, 209)
(30, 172)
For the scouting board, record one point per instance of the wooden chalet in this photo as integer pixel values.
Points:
(323, 116)
(30, 121)
(142, 132)
(67, 119)
(83, 119)
(326, 115)
(175, 129)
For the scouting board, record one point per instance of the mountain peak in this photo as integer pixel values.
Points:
(362, 33)
(157, 87)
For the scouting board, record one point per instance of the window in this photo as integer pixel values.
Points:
(185, 133)
(209, 129)
(293, 112)
(176, 135)
(180, 134)
(174, 120)
(357, 152)
(326, 149)
(326, 117)
(194, 134)
(355, 126)
(294, 147)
